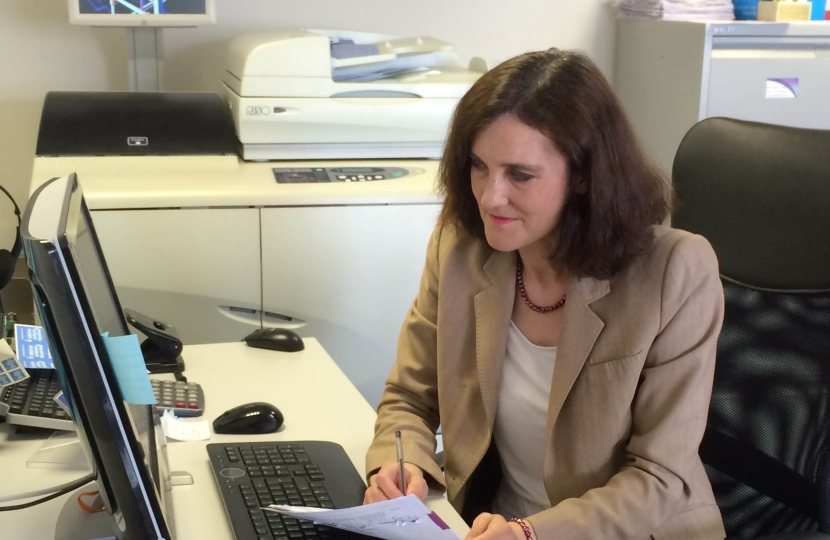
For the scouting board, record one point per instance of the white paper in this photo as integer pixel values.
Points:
(178, 429)
(691, 10)
(404, 518)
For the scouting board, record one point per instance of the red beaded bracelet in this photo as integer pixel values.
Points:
(525, 527)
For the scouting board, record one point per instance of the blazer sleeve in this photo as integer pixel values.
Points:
(669, 412)
(410, 399)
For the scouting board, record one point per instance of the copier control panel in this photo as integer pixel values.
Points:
(296, 175)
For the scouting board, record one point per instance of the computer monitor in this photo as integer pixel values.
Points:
(76, 301)
(142, 12)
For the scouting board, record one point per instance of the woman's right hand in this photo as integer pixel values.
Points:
(385, 484)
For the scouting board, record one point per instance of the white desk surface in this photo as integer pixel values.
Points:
(316, 398)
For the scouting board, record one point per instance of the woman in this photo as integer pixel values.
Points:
(562, 338)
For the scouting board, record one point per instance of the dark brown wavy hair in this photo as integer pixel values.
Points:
(614, 194)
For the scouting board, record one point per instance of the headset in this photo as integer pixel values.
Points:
(8, 259)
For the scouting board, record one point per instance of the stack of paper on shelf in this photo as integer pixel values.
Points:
(679, 10)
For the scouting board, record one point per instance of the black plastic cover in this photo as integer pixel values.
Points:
(134, 124)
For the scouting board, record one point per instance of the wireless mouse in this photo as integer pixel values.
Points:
(249, 419)
(275, 339)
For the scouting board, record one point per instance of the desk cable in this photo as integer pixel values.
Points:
(51, 493)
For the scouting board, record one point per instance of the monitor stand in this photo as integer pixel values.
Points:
(62, 450)
(145, 58)
(75, 524)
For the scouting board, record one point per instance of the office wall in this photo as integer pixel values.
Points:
(40, 51)
(492, 29)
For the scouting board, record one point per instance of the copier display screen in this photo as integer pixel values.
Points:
(288, 175)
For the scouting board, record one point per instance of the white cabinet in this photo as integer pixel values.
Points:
(669, 75)
(186, 267)
(740, 85)
(349, 274)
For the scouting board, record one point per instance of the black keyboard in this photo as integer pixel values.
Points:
(30, 403)
(309, 473)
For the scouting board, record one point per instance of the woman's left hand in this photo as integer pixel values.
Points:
(494, 527)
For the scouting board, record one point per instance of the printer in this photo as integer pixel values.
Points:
(324, 94)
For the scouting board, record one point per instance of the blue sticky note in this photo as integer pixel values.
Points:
(32, 347)
(130, 370)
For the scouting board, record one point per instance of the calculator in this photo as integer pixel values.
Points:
(183, 398)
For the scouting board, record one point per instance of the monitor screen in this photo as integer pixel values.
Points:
(77, 303)
(141, 12)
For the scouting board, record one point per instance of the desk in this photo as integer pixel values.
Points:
(316, 398)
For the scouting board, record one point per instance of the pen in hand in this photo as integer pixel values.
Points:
(399, 449)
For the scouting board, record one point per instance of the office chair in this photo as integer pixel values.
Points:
(761, 195)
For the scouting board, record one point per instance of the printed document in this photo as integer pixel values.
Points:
(404, 518)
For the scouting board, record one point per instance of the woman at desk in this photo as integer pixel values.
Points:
(562, 338)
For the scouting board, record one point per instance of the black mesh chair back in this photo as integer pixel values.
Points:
(761, 195)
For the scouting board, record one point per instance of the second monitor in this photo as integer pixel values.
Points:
(76, 301)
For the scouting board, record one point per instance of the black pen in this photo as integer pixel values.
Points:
(399, 448)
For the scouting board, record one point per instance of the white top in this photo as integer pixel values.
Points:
(130, 182)
(519, 429)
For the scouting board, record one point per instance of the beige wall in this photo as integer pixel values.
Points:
(41, 51)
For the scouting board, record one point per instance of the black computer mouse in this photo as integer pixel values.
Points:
(275, 339)
(249, 419)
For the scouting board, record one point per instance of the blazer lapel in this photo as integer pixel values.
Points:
(493, 311)
(581, 327)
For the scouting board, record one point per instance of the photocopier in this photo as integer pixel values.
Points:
(303, 196)
(327, 95)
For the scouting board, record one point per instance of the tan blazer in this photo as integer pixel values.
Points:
(629, 396)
